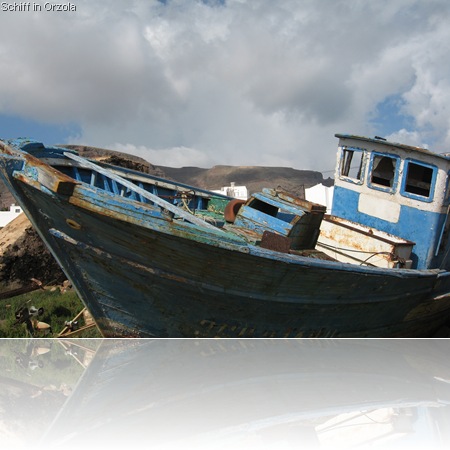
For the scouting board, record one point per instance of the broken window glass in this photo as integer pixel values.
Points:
(351, 163)
(383, 170)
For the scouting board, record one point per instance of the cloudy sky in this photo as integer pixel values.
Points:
(238, 82)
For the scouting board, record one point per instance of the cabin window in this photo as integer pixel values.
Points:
(383, 171)
(352, 164)
(419, 180)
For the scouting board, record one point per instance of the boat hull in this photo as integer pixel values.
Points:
(149, 269)
(148, 279)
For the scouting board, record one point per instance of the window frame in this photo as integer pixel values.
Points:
(362, 167)
(447, 190)
(411, 195)
(379, 187)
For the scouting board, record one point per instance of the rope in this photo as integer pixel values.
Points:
(371, 254)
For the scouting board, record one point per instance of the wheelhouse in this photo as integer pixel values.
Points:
(397, 189)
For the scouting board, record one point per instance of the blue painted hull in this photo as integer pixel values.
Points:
(141, 275)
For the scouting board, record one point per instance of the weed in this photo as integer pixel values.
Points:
(58, 309)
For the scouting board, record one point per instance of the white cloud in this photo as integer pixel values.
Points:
(429, 97)
(171, 157)
(251, 83)
(406, 137)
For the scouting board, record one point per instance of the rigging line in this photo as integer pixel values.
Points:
(333, 170)
(332, 247)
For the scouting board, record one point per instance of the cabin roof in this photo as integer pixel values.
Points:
(394, 144)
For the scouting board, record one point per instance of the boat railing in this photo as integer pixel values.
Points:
(164, 204)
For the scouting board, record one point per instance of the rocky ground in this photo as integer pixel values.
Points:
(24, 258)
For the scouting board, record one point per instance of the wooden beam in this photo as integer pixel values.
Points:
(148, 195)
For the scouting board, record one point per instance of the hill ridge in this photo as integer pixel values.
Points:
(253, 177)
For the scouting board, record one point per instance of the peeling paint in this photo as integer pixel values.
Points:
(153, 258)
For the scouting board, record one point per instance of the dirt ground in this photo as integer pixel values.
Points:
(24, 256)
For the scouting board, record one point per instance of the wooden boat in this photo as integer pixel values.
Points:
(154, 258)
(217, 394)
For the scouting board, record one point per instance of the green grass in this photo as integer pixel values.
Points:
(55, 364)
(38, 376)
(58, 308)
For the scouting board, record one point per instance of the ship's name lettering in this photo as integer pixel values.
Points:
(59, 6)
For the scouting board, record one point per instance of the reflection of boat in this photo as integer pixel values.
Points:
(151, 257)
(258, 394)
(37, 376)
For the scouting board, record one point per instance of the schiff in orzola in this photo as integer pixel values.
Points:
(151, 257)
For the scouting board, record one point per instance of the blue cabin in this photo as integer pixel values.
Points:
(397, 189)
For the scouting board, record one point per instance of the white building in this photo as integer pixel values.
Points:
(234, 191)
(320, 194)
(9, 216)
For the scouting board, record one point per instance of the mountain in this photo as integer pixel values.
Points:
(254, 177)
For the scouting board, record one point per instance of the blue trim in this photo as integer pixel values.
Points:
(395, 145)
(379, 187)
(421, 198)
